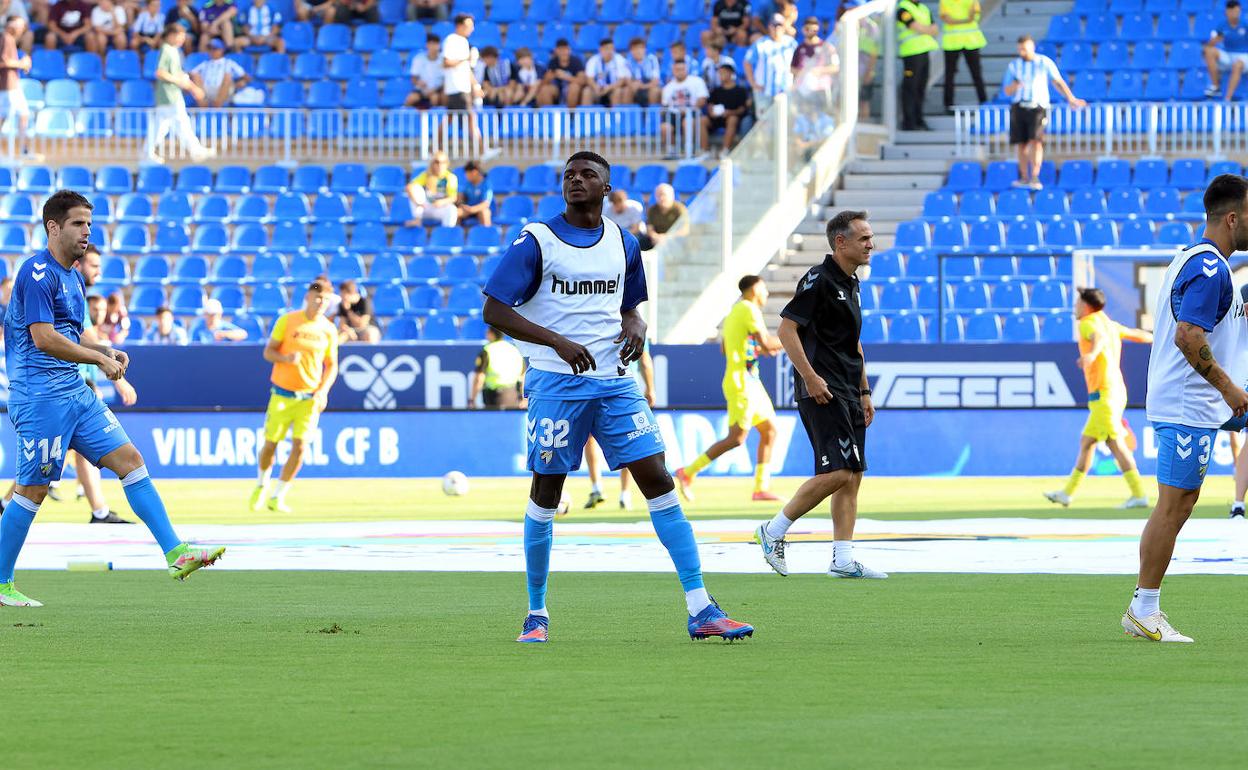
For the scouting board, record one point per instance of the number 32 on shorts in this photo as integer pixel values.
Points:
(552, 434)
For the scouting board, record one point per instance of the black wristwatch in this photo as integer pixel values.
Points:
(864, 392)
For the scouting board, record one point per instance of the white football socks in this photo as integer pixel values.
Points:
(697, 600)
(279, 491)
(542, 613)
(263, 476)
(842, 553)
(779, 526)
(100, 514)
(1147, 601)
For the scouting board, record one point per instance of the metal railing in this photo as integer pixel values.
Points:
(290, 136)
(1211, 129)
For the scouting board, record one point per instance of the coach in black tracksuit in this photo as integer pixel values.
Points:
(820, 332)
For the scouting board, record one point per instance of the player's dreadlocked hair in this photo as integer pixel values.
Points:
(56, 208)
(592, 157)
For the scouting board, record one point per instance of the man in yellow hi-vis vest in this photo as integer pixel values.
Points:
(961, 35)
(916, 38)
(498, 373)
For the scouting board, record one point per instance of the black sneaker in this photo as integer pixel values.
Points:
(595, 499)
(1237, 512)
(111, 518)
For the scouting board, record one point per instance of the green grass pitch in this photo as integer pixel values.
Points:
(346, 670)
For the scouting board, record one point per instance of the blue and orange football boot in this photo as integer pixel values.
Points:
(536, 629)
(713, 622)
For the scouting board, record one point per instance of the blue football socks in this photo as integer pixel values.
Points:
(676, 536)
(145, 500)
(539, 525)
(14, 525)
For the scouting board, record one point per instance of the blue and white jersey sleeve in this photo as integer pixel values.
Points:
(519, 273)
(1202, 292)
(635, 291)
(1050, 67)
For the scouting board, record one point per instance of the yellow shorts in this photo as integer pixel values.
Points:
(289, 414)
(748, 405)
(1105, 419)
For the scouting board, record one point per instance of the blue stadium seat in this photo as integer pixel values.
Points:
(309, 67)
(1033, 266)
(884, 264)
(1111, 56)
(16, 208)
(14, 239)
(644, 180)
(333, 38)
(1125, 202)
(423, 270)
(1075, 174)
(345, 66)
(323, 95)
(1136, 26)
(540, 180)
(1064, 28)
(1174, 234)
(969, 295)
(253, 325)
(114, 274)
(288, 95)
(102, 214)
(1188, 174)
(194, 179)
(271, 180)
(911, 235)
(152, 269)
(329, 207)
(136, 94)
(1062, 234)
(171, 238)
(1100, 27)
(689, 179)
(408, 36)
(986, 235)
(1000, 175)
(459, 270)
(310, 179)
(1046, 295)
(269, 299)
(1100, 233)
(173, 206)
(409, 238)
(1204, 24)
(348, 178)
(114, 180)
(190, 270)
(388, 180)
(515, 210)
(84, 65)
(874, 328)
(210, 238)
(445, 241)
(472, 328)
(953, 328)
(549, 206)
(46, 65)
(74, 178)
(122, 65)
(1220, 167)
(269, 268)
(964, 176)
(273, 67)
(949, 235)
(55, 123)
(1146, 54)
(983, 327)
(368, 237)
(464, 299)
(35, 179)
(1184, 54)
(329, 236)
(154, 180)
(1113, 173)
(897, 296)
(145, 299)
(1125, 86)
(976, 203)
(299, 36)
(921, 265)
(386, 267)
(1088, 202)
(371, 38)
(928, 297)
(1024, 234)
(1163, 86)
(1050, 203)
(229, 269)
(866, 298)
(291, 207)
(1135, 234)
(1150, 173)
(1058, 327)
(1195, 81)
(907, 328)
(1014, 203)
(345, 267)
(1076, 57)
(650, 11)
(289, 237)
(233, 180)
(64, 93)
(484, 240)
(135, 208)
(389, 299)
(1009, 295)
(440, 327)
(248, 238)
(1021, 327)
(405, 328)
(961, 267)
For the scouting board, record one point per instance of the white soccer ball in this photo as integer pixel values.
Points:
(455, 484)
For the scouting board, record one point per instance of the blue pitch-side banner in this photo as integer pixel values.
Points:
(387, 377)
(944, 442)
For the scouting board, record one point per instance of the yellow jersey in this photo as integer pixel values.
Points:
(1104, 374)
(314, 341)
(741, 327)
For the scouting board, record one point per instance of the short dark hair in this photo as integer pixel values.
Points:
(523, 52)
(433, 39)
(1025, 38)
(839, 224)
(164, 309)
(471, 165)
(460, 18)
(489, 50)
(747, 281)
(1232, 4)
(1093, 298)
(56, 208)
(1225, 192)
(592, 157)
(636, 41)
(322, 284)
(562, 43)
(92, 249)
(171, 30)
(606, 41)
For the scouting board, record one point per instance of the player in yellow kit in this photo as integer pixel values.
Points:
(303, 349)
(749, 405)
(1100, 357)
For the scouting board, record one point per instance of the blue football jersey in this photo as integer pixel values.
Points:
(43, 292)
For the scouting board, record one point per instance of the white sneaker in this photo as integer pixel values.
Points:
(1155, 627)
(152, 157)
(773, 550)
(856, 570)
(1134, 502)
(1059, 497)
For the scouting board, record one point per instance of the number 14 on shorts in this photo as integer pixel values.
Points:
(47, 449)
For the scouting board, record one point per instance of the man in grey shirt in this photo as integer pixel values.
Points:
(628, 214)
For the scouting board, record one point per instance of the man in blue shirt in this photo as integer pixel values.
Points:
(1026, 82)
(52, 408)
(476, 196)
(1232, 36)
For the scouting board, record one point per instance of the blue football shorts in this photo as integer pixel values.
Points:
(46, 430)
(557, 431)
(1183, 454)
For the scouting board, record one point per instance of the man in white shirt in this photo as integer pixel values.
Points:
(218, 76)
(683, 92)
(609, 75)
(426, 73)
(458, 82)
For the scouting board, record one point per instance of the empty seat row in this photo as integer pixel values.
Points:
(967, 294)
(922, 265)
(1161, 203)
(1023, 234)
(1166, 26)
(981, 326)
(1184, 174)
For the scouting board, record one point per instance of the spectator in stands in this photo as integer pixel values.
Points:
(476, 197)
(961, 35)
(528, 79)
(12, 98)
(869, 42)
(349, 11)
(815, 67)
(10, 8)
(426, 72)
(811, 127)
(69, 25)
(683, 92)
(768, 63)
(564, 79)
(183, 14)
(708, 68)
(218, 78)
(165, 331)
(629, 215)
(727, 108)
(647, 75)
(431, 9)
(663, 215)
(171, 113)
(434, 193)
(916, 39)
(730, 24)
(264, 27)
(216, 21)
(145, 33)
(458, 82)
(355, 316)
(494, 75)
(785, 9)
(1027, 81)
(116, 324)
(214, 328)
(678, 52)
(607, 77)
(108, 26)
(325, 10)
(1232, 35)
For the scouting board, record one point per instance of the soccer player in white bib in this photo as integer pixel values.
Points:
(1196, 377)
(567, 291)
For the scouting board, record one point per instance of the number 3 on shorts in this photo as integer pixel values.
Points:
(554, 433)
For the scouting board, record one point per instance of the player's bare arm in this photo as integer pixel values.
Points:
(111, 362)
(815, 385)
(868, 407)
(1137, 335)
(646, 365)
(321, 395)
(632, 334)
(1192, 342)
(274, 355)
(518, 327)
